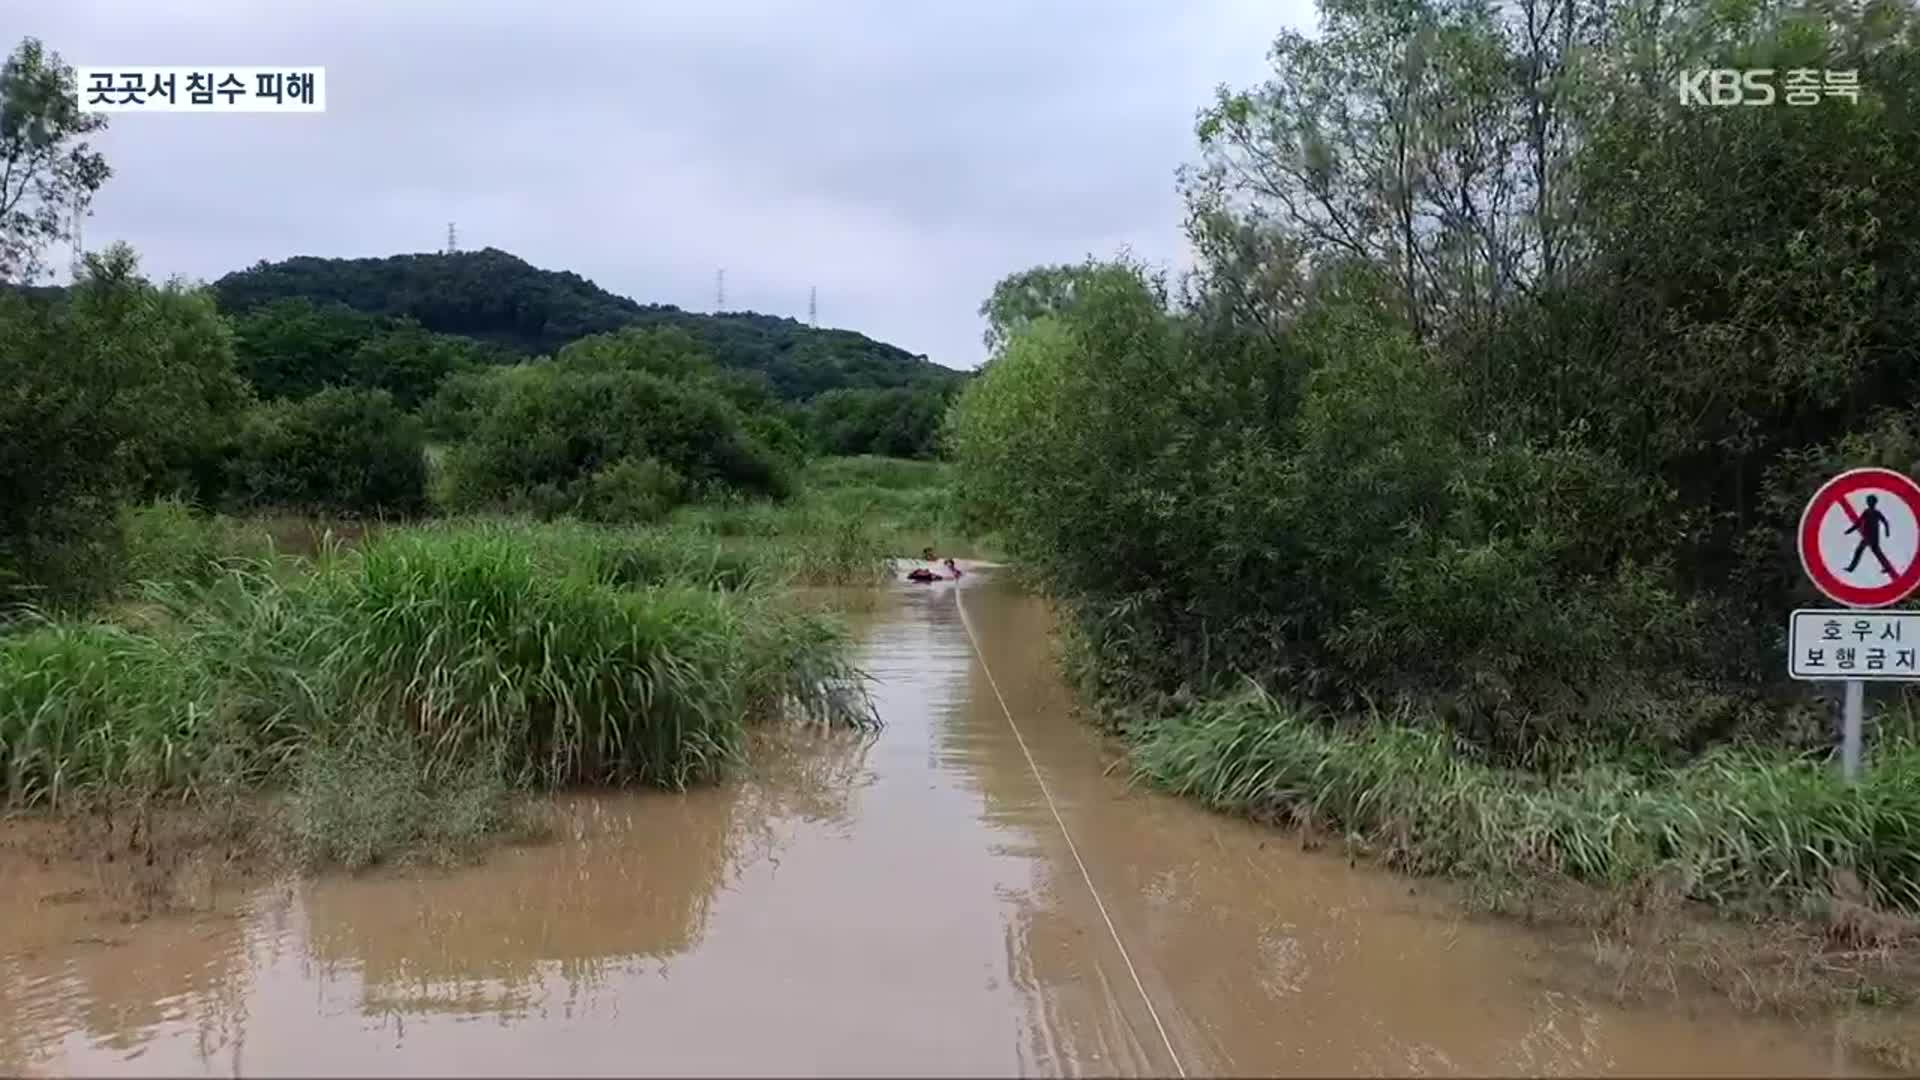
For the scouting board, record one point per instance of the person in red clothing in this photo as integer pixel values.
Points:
(929, 572)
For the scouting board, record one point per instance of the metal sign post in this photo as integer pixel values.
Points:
(1860, 513)
(1850, 731)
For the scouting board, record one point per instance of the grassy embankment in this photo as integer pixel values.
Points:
(1742, 827)
(1750, 872)
(407, 694)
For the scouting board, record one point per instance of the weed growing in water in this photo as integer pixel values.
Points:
(366, 796)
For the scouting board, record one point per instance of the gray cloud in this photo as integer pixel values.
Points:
(901, 157)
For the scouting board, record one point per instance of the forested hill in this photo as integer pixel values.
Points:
(497, 297)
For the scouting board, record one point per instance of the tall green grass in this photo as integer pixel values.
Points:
(910, 504)
(624, 557)
(469, 643)
(731, 546)
(851, 515)
(875, 471)
(799, 543)
(220, 691)
(85, 705)
(568, 660)
(167, 540)
(1738, 826)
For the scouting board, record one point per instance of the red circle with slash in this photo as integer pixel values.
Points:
(1842, 500)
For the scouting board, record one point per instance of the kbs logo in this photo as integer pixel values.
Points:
(1754, 86)
(1725, 86)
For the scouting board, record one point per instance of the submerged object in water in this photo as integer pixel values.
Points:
(922, 574)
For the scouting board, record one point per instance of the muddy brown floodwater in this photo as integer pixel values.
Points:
(902, 903)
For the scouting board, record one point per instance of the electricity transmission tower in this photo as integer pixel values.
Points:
(720, 290)
(79, 245)
(453, 239)
(813, 305)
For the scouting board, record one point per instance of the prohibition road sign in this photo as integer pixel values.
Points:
(1859, 537)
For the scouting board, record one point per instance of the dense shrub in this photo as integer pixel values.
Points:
(453, 408)
(540, 439)
(341, 451)
(899, 422)
(631, 491)
(1335, 526)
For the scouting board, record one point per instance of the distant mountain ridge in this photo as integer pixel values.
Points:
(494, 296)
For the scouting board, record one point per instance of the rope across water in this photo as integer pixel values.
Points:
(960, 602)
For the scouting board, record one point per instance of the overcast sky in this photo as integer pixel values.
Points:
(901, 157)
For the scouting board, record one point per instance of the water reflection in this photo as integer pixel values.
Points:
(634, 881)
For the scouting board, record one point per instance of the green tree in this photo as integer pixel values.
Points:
(1428, 138)
(341, 450)
(410, 363)
(893, 422)
(679, 357)
(48, 170)
(292, 348)
(1496, 448)
(668, 353)
(1018, 299)
(538, 437)
(118, 389)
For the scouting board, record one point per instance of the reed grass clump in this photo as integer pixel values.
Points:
(625, 557)
(1740, 826)
(551, 656)
(83, 705)
(167, 540)
(802, 544)
(468, 640)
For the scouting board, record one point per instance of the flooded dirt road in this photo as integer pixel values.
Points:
(902, 903)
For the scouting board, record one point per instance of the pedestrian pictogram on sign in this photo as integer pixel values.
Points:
(1860, 537)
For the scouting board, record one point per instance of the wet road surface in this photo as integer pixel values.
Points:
(899, 903)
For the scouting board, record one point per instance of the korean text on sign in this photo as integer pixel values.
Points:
(202, 89)
(1854, 644)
